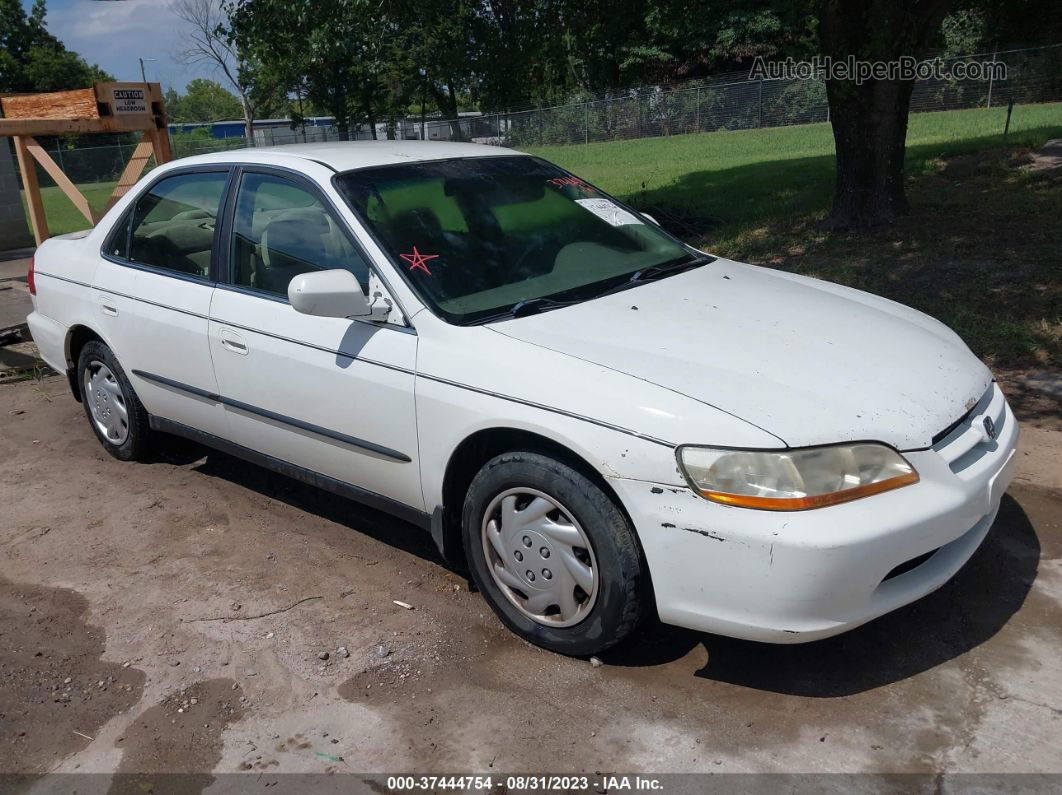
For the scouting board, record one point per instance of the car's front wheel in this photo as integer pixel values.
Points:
(553, 555)
(115, 413)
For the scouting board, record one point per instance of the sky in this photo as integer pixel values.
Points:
(114, 33)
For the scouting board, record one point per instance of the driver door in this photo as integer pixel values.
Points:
(329, 395)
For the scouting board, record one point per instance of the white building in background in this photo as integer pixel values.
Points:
(269, 132)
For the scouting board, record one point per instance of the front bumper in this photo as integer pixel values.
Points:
(800, 576)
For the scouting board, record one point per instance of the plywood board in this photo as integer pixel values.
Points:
(78, 104)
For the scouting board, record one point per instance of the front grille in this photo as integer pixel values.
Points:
(964, 443)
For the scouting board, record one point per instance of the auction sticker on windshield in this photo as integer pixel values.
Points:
(609, 211)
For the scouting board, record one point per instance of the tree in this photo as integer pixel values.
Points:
(336, 51)
(203, 101)
(439, 43)
(208, 39)
(32, 59)
(869, 119)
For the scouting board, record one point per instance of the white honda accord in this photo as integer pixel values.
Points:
(600, 421)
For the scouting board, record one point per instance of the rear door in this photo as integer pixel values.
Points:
(330, 395)
(167, 250)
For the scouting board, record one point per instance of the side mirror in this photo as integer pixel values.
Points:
(334, 293)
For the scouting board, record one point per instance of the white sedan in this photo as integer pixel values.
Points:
(598, 420)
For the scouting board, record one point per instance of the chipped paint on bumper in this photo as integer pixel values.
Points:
(802, 576)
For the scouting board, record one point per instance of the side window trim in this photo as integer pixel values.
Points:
(122, 226)
(372, 263)
(220, 260)
(302, 182)
(214, 275)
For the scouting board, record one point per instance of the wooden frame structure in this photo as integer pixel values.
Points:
(104, 108)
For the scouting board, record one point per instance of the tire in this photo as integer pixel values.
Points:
(126, 437)
(615, 603)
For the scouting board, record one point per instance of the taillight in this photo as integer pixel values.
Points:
(29, 279)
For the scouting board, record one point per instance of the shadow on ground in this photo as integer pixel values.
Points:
(358, 518)
(962, 615)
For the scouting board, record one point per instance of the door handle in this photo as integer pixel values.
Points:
(233, 342)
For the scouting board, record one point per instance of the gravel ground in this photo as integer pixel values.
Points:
(197, 614)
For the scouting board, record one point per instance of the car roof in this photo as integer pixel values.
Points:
(346, 155)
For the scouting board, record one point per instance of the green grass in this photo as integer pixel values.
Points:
(739, 178)
(62, 216)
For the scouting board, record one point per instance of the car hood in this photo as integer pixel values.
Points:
(808, 361)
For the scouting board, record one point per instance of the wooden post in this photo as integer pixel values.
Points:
(160, 140)
(33, 190)
(133, 169)
(106, 107)
(61, 179)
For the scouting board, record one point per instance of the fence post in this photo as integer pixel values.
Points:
(992, 76)
(586, 123)
(760, 110)
(697, 109)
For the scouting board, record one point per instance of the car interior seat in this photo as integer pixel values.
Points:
(291, 246)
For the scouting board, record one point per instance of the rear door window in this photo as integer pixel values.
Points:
(174, 221)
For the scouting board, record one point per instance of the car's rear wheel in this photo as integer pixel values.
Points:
(553, 555)
(114, 412)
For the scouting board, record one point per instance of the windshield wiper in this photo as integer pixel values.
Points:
(529, 306)
(652, 272)
(532, 306)
(656, 271)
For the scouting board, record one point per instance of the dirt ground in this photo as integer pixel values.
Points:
(197, 614)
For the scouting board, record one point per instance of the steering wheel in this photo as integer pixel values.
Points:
(532, 247)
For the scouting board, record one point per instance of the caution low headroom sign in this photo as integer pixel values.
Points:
(129, 100)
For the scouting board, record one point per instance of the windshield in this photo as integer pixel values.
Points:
(476, 237)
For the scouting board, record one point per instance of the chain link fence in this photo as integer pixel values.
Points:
(724, 102)
(734, 102)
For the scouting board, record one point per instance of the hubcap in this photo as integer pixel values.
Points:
(106, 403)
(540, 557)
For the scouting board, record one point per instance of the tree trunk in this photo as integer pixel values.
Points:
(456, 133)
(869, 120)
(869, 132)
(447, 104)
(248, 121)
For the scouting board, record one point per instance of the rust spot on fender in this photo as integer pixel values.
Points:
(656, 490)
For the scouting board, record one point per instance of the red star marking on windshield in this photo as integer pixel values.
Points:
(416, 260)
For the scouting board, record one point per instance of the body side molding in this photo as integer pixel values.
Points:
(317, 430)
(325, 482)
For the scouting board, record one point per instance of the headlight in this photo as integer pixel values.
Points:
(794, 480)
